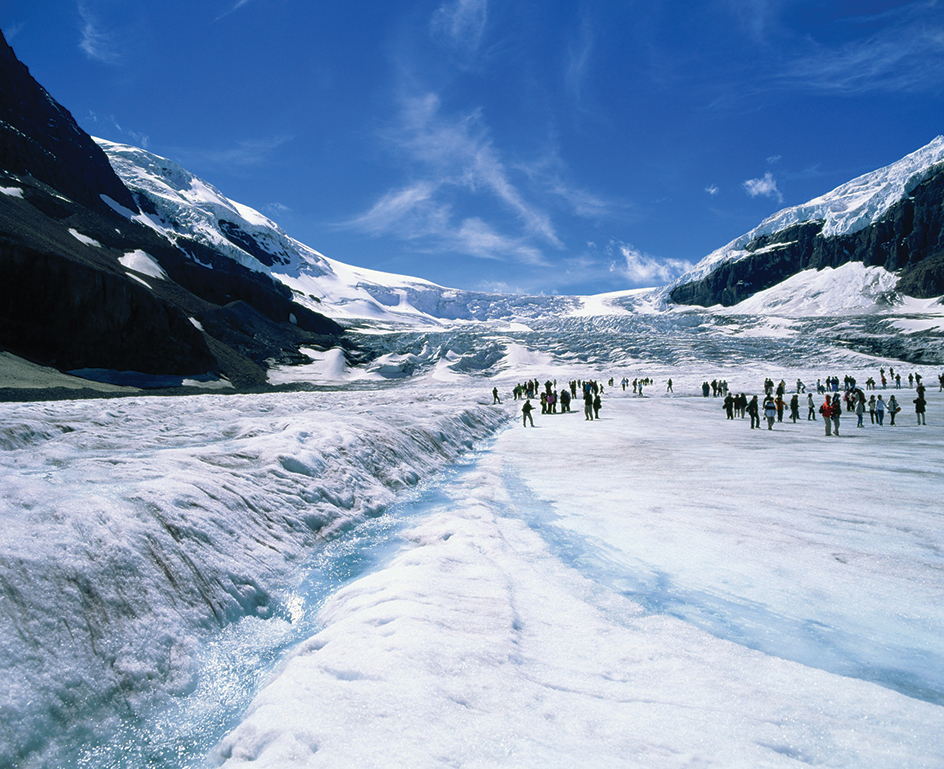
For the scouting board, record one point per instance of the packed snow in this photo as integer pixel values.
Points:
(391, 570)
(84, 239)
(849, 289)
(143, 263)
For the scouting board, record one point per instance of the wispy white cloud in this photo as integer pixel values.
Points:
(278, 209)
(10, 31)
(766, 187)
(250, 153)
(577, 62)
(712, 189)
(905, 54)
(453, 158)
(239, 4)
(110, 124)
(461, 23)
(406, 212)
(756, 16)
(645, 270)
(96, 43)
(478, 239)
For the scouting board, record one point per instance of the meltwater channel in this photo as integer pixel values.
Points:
(233, 666)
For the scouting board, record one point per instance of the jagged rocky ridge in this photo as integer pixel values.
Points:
(72, 291)
(906, 238)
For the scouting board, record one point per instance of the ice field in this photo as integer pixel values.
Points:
(399, 574)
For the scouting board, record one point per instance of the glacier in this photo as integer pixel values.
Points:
(387, 569)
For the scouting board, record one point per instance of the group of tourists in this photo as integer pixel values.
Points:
(840, 395)
(639, 384)
(717, 387)
(851, 399)
(550, 397)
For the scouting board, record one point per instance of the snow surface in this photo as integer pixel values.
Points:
(393, 572)
(142, 262)
(138, 530)
(13, 192)
(84, 239)
(542, 614)
(849, 289)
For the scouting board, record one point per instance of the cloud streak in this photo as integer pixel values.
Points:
(645, 270)
(461, 24)
(251, 153)
(96, 43)
(453, 159)
(905, 54)
(764, 187)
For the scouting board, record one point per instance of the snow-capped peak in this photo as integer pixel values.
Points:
(850, 207)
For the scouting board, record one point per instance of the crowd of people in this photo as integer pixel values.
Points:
(550, 397)
(850, 398)
(839, 396)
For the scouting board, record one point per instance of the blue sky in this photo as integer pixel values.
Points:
(534, 146)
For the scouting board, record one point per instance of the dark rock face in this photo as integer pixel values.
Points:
(39, 138)
(908, 239)
(67, 301)
(248, 244)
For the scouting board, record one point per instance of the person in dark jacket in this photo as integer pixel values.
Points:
(921, 406)
(526, 413)
(753, 410)
(836, 413)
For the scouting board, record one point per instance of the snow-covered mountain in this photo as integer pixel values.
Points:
(884, 220)
(889, 218)
(179, 205)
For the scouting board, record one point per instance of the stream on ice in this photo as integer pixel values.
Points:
(405, 576)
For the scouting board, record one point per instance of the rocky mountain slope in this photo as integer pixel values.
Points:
(83, 286)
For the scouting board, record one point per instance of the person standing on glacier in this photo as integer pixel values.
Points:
(526, 413)
(827, 411)
(770, 412)
(859, 407)
(753, 410)
(893, 408)
(836, 413)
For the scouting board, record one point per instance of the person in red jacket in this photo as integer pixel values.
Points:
(827, 411)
